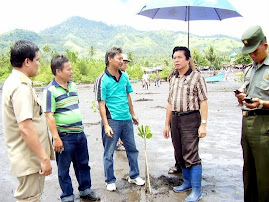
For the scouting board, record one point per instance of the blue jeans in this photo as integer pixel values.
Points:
(123, 130)
(75, 151)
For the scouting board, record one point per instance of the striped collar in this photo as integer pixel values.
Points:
(54, 82)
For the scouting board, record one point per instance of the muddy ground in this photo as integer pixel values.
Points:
(220, 150)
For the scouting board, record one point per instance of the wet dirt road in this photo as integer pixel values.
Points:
(220, 150)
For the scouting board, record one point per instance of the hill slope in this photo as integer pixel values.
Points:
(79, 34)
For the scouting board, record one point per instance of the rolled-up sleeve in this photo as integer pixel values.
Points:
(202, 89)
(170, 93)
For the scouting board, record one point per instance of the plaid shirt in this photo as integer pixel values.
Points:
(186, 93)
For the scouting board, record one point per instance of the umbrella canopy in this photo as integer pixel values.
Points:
(188, 10)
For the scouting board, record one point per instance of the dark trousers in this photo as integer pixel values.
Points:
(255, 144)
(177, 164)
(184, 133)
(75, 151)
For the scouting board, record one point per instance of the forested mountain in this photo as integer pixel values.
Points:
(79, 34)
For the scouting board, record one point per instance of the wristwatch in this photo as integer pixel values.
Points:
(261, 104)
(204, 121)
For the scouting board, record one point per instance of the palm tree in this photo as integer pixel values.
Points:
(92, 51)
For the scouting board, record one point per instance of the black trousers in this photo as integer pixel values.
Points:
(184, 133)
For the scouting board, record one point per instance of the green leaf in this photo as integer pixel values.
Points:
(139, 129)
(147, 129)
(140, 132)
(144, 132)
(149, 135)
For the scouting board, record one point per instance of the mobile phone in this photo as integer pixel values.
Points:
(248, 99)
(237, 92)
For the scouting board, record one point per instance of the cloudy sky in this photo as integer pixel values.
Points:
(36, 15)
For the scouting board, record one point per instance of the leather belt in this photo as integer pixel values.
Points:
(176, 113)
(255, 112)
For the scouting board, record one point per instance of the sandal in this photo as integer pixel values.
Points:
(120, 147)
(174, 170)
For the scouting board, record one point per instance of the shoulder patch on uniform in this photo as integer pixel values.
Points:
(24, 80)
(266, 77)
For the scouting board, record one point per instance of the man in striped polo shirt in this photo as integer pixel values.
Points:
(65, 124)
(113, 90)
(187, 111)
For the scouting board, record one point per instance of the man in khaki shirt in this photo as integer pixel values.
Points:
(24, 124)
(255, 127)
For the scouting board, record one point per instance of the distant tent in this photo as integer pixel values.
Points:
(151, 70)
(233, 55)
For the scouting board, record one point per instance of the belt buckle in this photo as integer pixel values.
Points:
(245, 113)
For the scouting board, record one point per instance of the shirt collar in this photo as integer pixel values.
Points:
(186, 74)
(54, 82)
(22, 75)
(265, 62)
(110, 75)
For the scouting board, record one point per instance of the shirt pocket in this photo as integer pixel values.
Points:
(263, 84)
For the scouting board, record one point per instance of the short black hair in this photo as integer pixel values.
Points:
(57, 63)
(187, 52)
(111, 53)
(21, 50)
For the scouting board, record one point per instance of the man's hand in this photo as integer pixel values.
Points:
(202, 131)
(255, 103)
(135, 120)
(240, 97)
(108, 131)
(166, 132)
(58, 145)
(57, 142)
(46, 168)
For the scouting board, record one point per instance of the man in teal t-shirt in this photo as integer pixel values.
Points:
(61, 106)
(113, 90)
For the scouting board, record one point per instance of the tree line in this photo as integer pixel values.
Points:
(86, 69)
